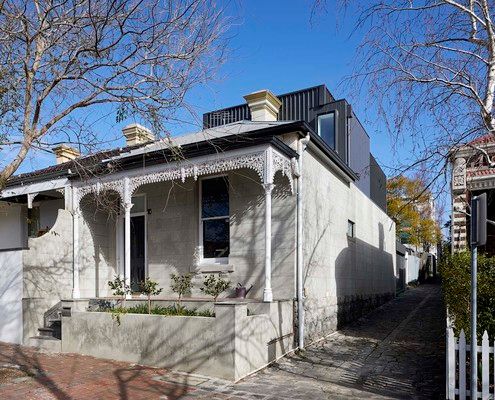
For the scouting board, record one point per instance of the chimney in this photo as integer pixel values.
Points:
(137, 134)
(64, 153)
(264, 105)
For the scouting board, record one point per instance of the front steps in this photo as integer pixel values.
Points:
(50, 335)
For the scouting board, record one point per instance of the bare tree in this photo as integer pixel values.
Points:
(428, 66)
(62, 59)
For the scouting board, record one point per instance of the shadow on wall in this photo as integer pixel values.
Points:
(364, 279)
(97, 242)
(364, 276)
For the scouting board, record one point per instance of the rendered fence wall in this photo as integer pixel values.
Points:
(413, 266)
(11, 296)
(230, 346)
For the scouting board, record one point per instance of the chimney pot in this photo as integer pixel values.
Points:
(264, 105)
(136, 134)
(64, 153)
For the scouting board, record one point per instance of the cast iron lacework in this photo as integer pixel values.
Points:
(186, 169)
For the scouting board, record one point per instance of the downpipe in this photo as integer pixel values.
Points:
(301, 147)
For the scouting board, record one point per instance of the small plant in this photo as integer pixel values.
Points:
(150, 288)
(214, 286)
(181, 284)
(119, 288)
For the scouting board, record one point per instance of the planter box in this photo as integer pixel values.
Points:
(229, 346)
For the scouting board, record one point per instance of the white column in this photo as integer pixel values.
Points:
(76, 214)
(268, 186)
(127, 233)
(267, 292)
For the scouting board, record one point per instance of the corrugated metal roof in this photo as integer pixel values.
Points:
(234, 129)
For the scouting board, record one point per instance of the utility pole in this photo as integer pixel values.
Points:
(478, 238)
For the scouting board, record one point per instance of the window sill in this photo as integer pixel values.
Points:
(210, 267)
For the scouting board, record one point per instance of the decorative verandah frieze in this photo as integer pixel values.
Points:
(265, 161)
(181, 170)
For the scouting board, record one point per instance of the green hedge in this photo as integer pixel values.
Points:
(455, 270)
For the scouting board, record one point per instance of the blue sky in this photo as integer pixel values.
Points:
(274, 45)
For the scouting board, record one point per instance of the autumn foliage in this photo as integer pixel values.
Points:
(409, 204)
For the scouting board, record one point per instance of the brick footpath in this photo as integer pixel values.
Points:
(396, 352)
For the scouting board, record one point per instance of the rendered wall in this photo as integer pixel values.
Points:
(47, 273)
(12, 232)
(11, 296)
(229, 346)
(97, 239)
(49, 211)
(173, 233)
(344, 276)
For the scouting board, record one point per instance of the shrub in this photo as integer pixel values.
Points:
(160, 310)
(214, 286)
(181, 284)
(455, 270)
(150, 288)
(119, 288)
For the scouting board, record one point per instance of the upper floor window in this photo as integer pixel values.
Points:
(326, 128)
(215, 218)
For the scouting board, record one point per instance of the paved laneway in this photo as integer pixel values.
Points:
(396, 352)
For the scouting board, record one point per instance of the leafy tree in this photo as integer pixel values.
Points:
(181, 284)
(214, 286)
(60, 61)
(150, 288)
(409, 205)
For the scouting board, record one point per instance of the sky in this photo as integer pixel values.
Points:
(274, 45)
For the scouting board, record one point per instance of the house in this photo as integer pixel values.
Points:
(280, 193)
(473, 173)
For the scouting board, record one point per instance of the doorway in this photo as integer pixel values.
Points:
(138, 251)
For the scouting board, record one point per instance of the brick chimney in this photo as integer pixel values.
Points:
(64, 153)
(264, 105)
(137, 134)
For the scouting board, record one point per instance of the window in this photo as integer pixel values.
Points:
(350, 228)
(326, 128)
(215, 221)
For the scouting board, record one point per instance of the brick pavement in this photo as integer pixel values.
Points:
(396, 352)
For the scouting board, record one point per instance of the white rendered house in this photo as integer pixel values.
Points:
(280, 193)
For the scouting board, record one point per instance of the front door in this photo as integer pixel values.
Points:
(138, 251)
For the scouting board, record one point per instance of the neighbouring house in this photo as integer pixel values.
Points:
(473, 173)
(280, 193)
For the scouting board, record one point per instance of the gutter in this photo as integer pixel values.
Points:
(301, 147)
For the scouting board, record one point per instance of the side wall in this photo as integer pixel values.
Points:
(10, 296)
(344, 276)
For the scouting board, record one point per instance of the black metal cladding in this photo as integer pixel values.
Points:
(296, 106)
(302, 105)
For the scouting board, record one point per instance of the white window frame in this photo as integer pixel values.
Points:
(202, 259)
(335, 116)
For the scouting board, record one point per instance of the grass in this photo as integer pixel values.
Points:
(159, 310)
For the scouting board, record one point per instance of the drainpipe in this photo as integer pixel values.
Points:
(301, 147)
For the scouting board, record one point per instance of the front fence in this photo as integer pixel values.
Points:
(458, 359)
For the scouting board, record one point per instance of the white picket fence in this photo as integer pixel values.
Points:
(458, 375)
